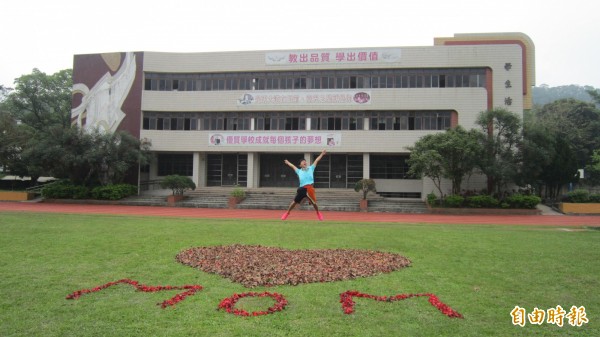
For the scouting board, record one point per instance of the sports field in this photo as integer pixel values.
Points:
(482, 271)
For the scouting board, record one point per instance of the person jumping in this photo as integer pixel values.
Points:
(306, 190)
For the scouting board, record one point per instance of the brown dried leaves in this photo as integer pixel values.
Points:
(254, 266)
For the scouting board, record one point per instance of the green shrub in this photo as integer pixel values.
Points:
(58, 190)
(595, 198)
(432, 199)
(114, 192)
(65, 190)
(81, 192)
(365, 186)
(578, 196)
(482, 201)
(523, 201)
(178, 184)
(238, 193)
(454, 201)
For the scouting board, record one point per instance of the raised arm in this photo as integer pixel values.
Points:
(319, 157)
(287, 162)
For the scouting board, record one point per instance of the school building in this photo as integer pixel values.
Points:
(232, 118)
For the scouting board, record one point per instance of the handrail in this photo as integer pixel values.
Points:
(150, 184)
(38, 188)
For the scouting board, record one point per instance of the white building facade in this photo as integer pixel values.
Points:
(231, 118)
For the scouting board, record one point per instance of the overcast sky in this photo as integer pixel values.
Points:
(45, 34)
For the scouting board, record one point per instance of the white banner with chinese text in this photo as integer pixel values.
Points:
(306, 98)
(289, 138)
(344, 56)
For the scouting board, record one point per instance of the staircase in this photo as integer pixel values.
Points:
(397, 205)
(345, 200)
(207, 197)
(280, 198)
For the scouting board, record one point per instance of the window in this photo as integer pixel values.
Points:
(181, 164)
(291, 123)
(442, 81)
(319, 79)
(389, 167)
(334, 123)
(315, 123)
(300, 83)
(408, 120)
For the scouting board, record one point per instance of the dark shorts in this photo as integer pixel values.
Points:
(305, 192)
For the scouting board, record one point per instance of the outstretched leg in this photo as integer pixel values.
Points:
(319, 215)
(292, 205)
(312, 197)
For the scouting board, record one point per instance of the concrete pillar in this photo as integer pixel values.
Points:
(307, 158)
(252, 174)
(199, 169)
(366, 165)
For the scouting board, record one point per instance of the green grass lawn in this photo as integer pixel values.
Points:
(482, 272)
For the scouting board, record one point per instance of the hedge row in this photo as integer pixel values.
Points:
(517, 201)
(582, 196)
(66, 190)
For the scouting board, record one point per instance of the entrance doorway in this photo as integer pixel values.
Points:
(338, 171)
(226, 169)
(229, 172)
(274, 173)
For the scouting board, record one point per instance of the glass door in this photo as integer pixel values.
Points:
(275, 173)
(229, 171)
(338, 171)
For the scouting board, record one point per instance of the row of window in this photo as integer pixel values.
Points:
(319, 120)
(381, 167)
(367, 79)
(389, 167)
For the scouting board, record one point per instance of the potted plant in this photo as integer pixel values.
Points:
(178, 184)
(236, 196)
(365, 186)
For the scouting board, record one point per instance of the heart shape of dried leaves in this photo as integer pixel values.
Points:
(254, 266)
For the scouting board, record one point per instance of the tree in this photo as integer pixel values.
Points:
(41, 101)
(562, 169)
(577, 122)
(425, 161)
(548, 159)
(451, 154)
(500, 135)
(365, 186)
(12, 140)
(545, 94)
(592, 170)
(118, 153)
(87, 158)
(30, 114)
(4, 92)
(537, 152)
(39, 112)
(595, 95)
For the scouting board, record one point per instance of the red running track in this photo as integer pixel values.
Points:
(220, 213)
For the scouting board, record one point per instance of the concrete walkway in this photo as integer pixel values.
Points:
(550, 217)
(547, 210)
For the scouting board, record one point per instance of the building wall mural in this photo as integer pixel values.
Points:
(107, 92)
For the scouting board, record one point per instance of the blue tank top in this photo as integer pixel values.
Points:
(306, 176)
